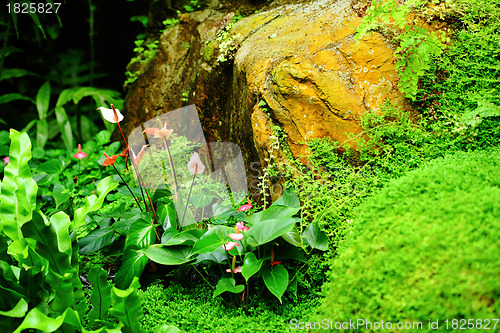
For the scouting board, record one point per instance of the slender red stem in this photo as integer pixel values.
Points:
(189, 195)
(141, 184)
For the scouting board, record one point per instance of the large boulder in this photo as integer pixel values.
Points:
(295, 67)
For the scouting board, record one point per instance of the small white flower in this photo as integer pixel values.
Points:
(195, 165)
(109, 114)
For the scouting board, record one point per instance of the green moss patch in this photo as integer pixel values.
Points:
(425, 247)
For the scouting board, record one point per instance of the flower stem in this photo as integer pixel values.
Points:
(141, 184)
(189, 195)
(171, 166)
(123, 180)
(139, 178)
(120, 128)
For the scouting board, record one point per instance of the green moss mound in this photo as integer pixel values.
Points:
(426, 247)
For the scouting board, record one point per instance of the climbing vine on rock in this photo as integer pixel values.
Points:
(417, 46)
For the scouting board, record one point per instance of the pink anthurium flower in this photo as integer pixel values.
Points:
(236, 237)
(241, 226)
(137, 159)
(6, 160)
(229, 246)
(80, 153)
(236, 270)
(112, 115)
(159, 132)
(194, 165)
(246, 207)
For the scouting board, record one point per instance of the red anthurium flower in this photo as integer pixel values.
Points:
(109, 160)
(124, 153)
(241, 226)
(6, 160)
(229, 246)
(195, 165)
(276, 263)
(236, 237)
(236, 270)
(80, 153)
(246, 207)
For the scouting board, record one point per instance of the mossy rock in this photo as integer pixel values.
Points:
(426, 247)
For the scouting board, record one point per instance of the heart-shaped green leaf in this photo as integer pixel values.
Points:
(212, 239)
(227, 284)
(251, 265)
(269, 230)
(171, 255)
(315, 237)
(276, 280)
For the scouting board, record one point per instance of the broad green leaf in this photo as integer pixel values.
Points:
(251, 265)
(276, 280)
(140, 235)
(272, 213)
(292, 237)
(77, 93)
(93, 203)
(64, 127)
(61, 223)
(132, 266)
(96, 240)
(101, 294)
(35, 319)
(61, 194)
(162, 195)
(171, 255)
(10, 73)
(51, 167)
(289, 198)
(217, 256)
(103, 137)
(269, 230)
(315, 237)
(188, 237)
(17, 311)
(54, 245)
(201, 198)
(18, 191)
(42, 100)
(42, 133)
(223, 214)
(212, 239)
(127, 306)
(187, 214)
(127, 219)
(167, 215)
(7, 98)
(227, 284)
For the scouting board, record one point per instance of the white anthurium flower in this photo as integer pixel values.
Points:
(195, 165)
(110, 116)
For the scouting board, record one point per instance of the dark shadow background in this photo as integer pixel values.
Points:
(63, 56)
